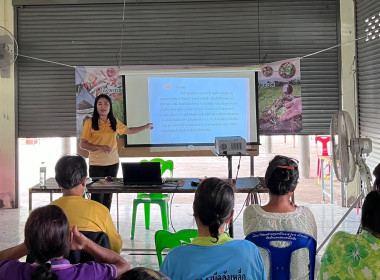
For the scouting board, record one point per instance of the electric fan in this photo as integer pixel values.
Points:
(348, 151)
(348, 154)
(8, 51)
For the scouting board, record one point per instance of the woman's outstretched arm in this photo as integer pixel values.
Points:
(138, 129)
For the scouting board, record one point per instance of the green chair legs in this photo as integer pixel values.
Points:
(163, 203)
(158, 198)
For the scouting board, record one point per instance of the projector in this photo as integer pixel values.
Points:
(230, 146)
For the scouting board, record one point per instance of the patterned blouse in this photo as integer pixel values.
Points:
(351, 256)
(301, 220)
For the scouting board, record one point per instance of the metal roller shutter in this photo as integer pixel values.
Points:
(368, 57)
(297, 28)
(190, 32)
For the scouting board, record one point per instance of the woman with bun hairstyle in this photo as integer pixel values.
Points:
(48, 240)
(99, 139)
(213, 253)
(280, 214)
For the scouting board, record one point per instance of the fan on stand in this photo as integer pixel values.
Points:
(348, 154)
(348, 151)
(8, 51)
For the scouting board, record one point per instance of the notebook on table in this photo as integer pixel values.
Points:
(141, 173)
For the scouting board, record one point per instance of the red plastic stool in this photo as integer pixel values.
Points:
(325, 152)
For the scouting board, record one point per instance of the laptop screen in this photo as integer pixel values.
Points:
(141, 173)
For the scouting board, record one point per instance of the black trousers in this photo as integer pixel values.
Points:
(103, 171)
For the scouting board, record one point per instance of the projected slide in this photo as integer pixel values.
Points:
(196, 110)
(190, 105)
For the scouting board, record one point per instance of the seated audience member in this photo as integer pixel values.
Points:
(142, 273)
(213, 253)
(48, 239)
(376, 173)
(280, 214)
(88, 215)
(356, 256)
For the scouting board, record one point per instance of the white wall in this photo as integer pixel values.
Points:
(7, 119)
(348, 76)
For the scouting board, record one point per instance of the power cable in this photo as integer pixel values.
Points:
(170, 213)
(121, 38)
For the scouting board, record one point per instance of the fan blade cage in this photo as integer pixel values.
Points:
(342, 135)
(8, 48)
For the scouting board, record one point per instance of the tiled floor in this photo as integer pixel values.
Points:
(140, 251)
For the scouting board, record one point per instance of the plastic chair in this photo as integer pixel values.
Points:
(156, 198)
(280, 256)
(79, 256)
(325, 152)
(100, 238)
(167, 240)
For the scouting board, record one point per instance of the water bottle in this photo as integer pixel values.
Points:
(43, 174)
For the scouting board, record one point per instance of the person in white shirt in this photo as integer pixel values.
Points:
(280, 214)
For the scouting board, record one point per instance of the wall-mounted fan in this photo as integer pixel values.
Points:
(347, 154)
(8, 51)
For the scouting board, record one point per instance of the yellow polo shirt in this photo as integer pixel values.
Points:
(90, 215)
(104, 136)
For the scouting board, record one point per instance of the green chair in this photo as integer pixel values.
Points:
(157, 198)
(168, 240)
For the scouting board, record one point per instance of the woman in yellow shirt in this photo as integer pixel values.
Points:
(99, 138)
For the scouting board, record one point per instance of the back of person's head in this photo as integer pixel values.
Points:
(371, 212)
(142, 273)
(47, 236)
(214, 203)
(70, 171)
(376, 173)
(282, 175)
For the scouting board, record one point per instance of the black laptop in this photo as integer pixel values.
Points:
(141, 173)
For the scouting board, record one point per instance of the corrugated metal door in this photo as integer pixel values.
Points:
(199, 32)
(368, 56)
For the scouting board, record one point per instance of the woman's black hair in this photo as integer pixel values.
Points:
(47, 236)
(70, 171)
(376, 173)
(142, 273)
(44, 272)
(371, 212)
(214, 203)
(282, 175)
(95, 114)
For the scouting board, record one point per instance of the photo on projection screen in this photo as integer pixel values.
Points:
(192, 106)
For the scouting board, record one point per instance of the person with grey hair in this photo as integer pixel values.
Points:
(88, 215)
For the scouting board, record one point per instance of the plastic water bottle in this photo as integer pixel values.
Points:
(43, 174)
